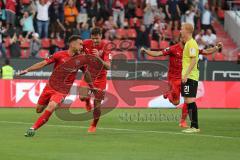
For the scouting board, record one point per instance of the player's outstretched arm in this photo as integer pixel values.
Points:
(152, 53)
(34, 67)
(212, 49)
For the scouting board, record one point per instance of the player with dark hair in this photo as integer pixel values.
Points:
(97, 47)
(175, 53)
(60, 82)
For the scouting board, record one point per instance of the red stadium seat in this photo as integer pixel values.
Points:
(126, 45)
(163, 44)
(25, 44)
(43, 53)
(121, 33)
(26, 2)
(58, 42)
(7, 42)
(209, 57)
(220, 13)
(129, 54)
(176, 33)
(154, 45)
(45, 43)
(139, 12)
(219, 57)
(132, 33)
(25, 53)
(123, 55)
(132, 44)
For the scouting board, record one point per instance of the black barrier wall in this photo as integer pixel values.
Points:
(141, 70)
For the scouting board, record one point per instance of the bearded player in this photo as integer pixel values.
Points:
(97, 47)
(51, 96)
(174, 73)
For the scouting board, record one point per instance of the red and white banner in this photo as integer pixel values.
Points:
(124, 93)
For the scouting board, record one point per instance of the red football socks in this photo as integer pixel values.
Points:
(42, 119)
(184, 112)
(96, 116)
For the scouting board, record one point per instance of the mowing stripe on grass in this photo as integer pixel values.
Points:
(132, 130)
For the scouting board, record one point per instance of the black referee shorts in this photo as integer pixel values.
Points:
(189, 89)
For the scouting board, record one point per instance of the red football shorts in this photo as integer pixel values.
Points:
(50, 94)
(99, 84)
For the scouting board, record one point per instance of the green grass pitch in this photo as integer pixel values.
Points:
(120, 137)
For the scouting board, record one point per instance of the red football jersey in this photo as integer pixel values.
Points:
(59, 58)
(175, 53)
(104, 55)
(175, 61)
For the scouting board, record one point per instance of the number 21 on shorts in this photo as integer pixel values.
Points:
(186, 89)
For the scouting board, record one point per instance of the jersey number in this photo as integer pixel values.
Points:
(186, 89)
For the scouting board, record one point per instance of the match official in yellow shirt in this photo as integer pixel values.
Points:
(190, 75)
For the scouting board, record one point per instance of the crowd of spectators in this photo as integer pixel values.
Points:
(25, 24)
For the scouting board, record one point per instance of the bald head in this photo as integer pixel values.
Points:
(188, 27)
(187, 31)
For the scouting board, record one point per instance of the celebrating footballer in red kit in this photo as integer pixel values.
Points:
(51, 96)
(97, 47)
(174, 72)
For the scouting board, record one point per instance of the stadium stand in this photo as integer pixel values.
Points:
(107, 15)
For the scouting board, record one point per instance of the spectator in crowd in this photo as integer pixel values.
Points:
(148, 15)
(82, 10)
(42, 17)
(70, 13)
(85, 31)
(35, 45)
(99, 22)
(130, 9)
(206, 39)
(2, 10)
(190, 15)
(2, 48)
(162, 3)
(27, 23)
(14, 47)
(173, 12)
(152, 3)
(159, 13)
(210, 38)
(118, 12)
(10, 12)
(142, 40)
(82, 30)
(184, 7)
(110, 28)
(56, 21)
(157, 30)
(77, 30)
(206, 21)
(102, 9)
(91, 11)
(200, 39)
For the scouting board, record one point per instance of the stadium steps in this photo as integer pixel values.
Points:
(229, 45)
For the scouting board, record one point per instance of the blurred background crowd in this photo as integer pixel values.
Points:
(38, 28)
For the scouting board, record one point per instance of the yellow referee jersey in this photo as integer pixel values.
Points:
(190, 51)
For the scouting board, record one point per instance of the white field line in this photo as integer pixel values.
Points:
(131, 130)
